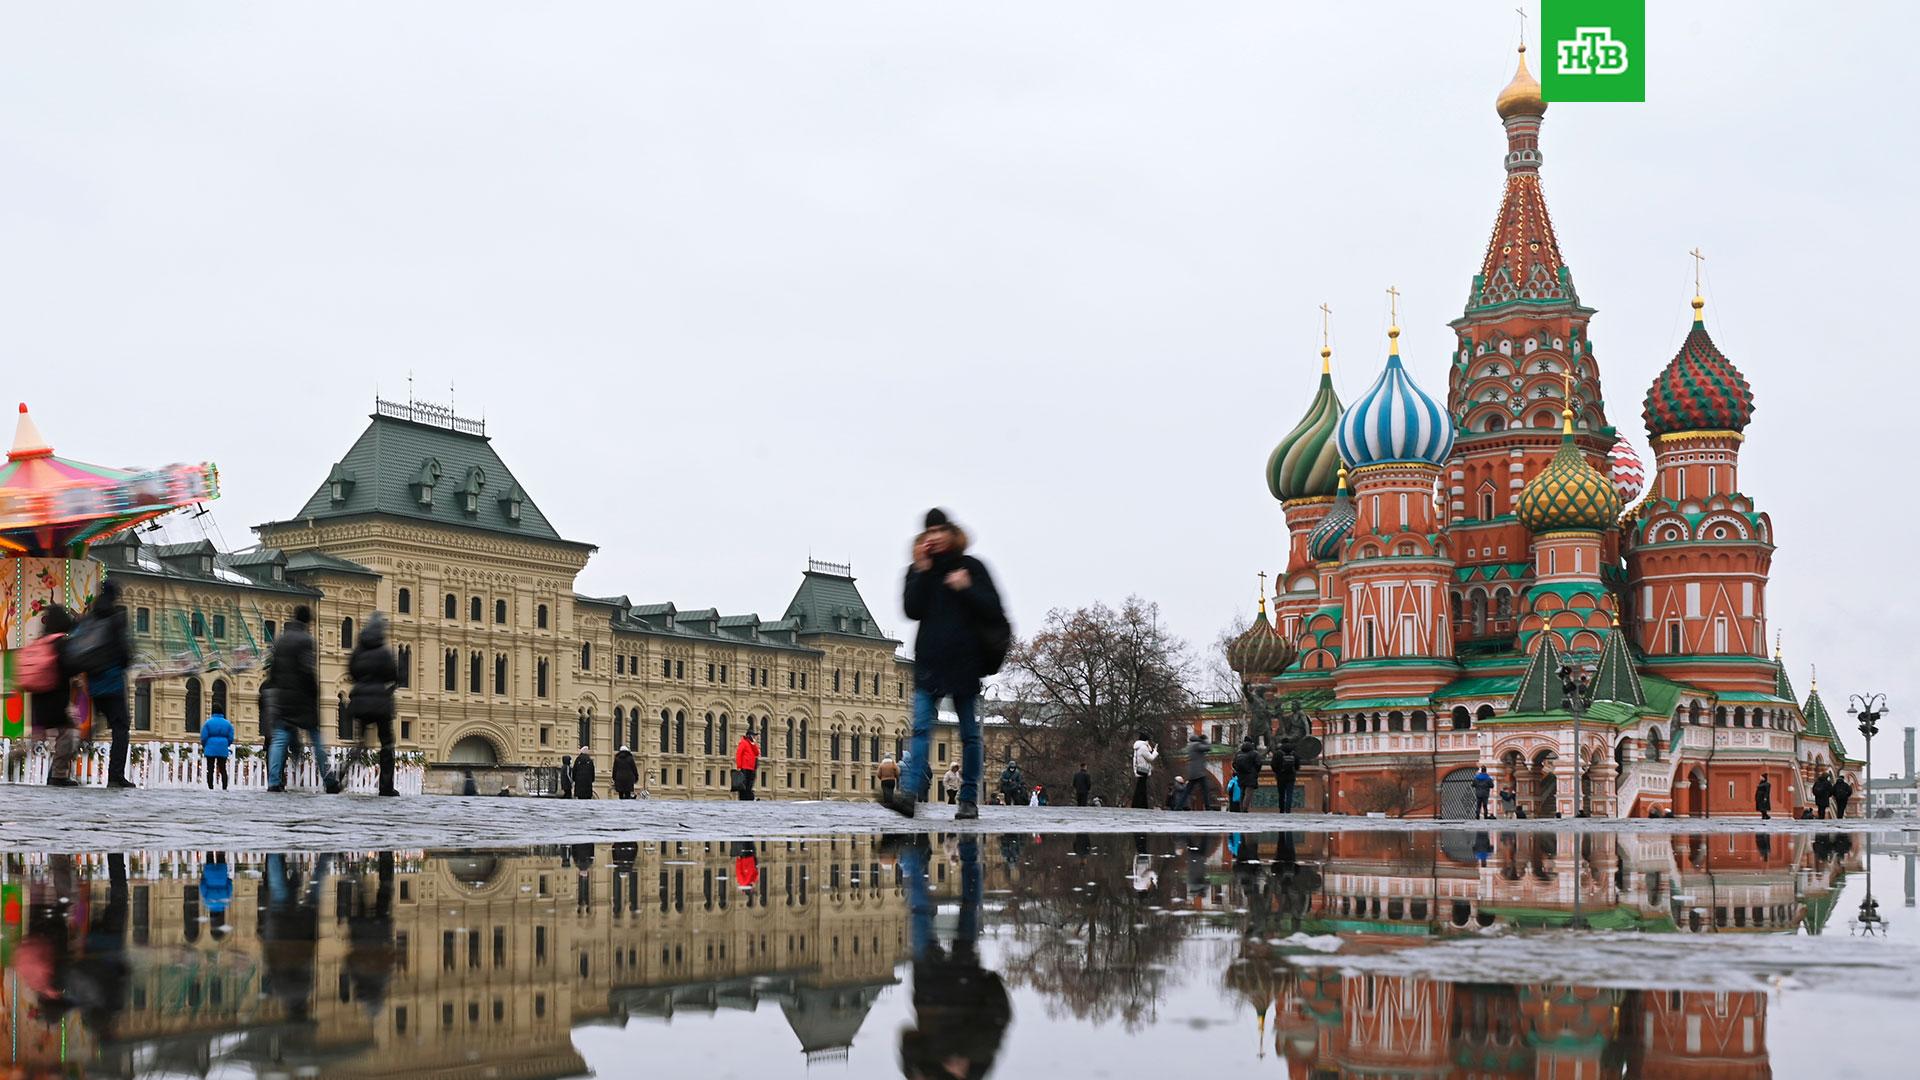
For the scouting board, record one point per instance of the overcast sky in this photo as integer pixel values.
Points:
(736, 282)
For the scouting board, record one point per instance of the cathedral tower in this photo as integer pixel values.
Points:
(1301, 473)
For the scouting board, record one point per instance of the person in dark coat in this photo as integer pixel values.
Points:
(1842, 793)
(1246, 766)
(107, 685)
(468, 785)
(375, 673)
(1198, 747)
(52, 722)
(1177, 794)
(371, 954)
(1286, 766)
(583, 774)
(1763, 798)
(293, 691)
(1013, 784)
(1822, 794)
(1482, 793)
(961, 1008)
(566, 776)
(953, 598)
(1082, 785)
(626, 773)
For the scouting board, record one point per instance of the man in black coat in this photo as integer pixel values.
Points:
(1082, 785)
(107, 683)
(962, 636)
(293, 691)
(375, 673)
(1822, 792)
(1246, 766)
(1286, 766)
(1763, 798)
(583, 774)
(1842, 792)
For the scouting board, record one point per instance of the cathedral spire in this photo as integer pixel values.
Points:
(1523, 262)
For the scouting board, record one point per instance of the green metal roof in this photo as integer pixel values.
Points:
(1490, 572)
(1380, 703)
(1539, 689)
(1616, 679)
(1484, 686)
(1745, 697)
(828, 602)
(320, 560)
(396, 463)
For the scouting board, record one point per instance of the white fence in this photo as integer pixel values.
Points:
(180, 765)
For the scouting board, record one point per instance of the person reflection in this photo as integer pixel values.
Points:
(961, 1009)
(370, 950)
(290, 934)
(93, 981)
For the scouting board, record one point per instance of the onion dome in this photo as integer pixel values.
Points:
(1395, 421)
(1323, 542)
(1260, 652)
(1521, 97)
(1302, 466)
(1629, 476)
(1568, 494)
(1700, 389)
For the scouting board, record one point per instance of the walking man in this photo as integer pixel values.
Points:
(294, 689)
(1246, 768)
(1286, 766)
(963, 637)
(106, 668)
(1198, 746)
(889, 774)
(1822, 792)
(583, 774)
(1842, 792)
(746, 765)
(1145, 754)
(1482, 791)
(375, 671)
(1082, 785)
(1763, 798)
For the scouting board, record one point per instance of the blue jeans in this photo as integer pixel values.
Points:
(282, 739)
(973, 754)
(920, 904)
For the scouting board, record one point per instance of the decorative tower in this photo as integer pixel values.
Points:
(1319, 636)
(1397, 632)
(1301, 474)
(1698, 553)
(1568, 508)
(1523, 333)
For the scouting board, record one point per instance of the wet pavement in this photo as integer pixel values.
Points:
(1490, 954)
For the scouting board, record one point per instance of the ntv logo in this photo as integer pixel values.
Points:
(1592, 51)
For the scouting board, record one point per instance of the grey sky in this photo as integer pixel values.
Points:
(734, 281)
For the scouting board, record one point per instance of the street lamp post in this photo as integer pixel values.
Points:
(1575, 687)
(1869, 708)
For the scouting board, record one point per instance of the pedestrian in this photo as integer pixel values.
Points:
(1763, 798)
(1482, 791)
(1013, 784)
(1246, 768)
(626, 772)
(103, 653)
(950, 782)
(566, 776)
(375, 672)
(1286, 766)
(1509, 802)
(583, 774)
(1145, 755)
(468, 784)
(1082, 785)
(1033, 798)
(1177, 794)
(1198, 747)
(1822, 793)
(1233, 793)
(1842, 792)
(293, 687)
(216, 745)
(963, 637)
(889, 774)
(216, 888)
(45, 673)
(746, 765)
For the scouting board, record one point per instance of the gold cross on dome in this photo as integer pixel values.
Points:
(1522, 12)
(1393, 303)
(1326, 323)
(1698, 258)
(1263, 583)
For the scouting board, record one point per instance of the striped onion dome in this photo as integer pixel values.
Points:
(1700, 389)
(1569, 493)
(1395, 421)
(1323, 543)
(1261, 652)
(1302, 466)
(1625, 469)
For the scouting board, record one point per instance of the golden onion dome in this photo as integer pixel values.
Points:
(1262, 651)
(1521, 96)
(1569, 494)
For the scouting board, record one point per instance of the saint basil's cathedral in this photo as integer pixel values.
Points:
(1444, 561)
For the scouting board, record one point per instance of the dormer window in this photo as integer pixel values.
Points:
(339, 484)
(470, 491)
(425, 479)
(206, 566)
(511, 501)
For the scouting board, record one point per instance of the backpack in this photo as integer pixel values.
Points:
(91, 648)
(38, 669)
(994, 635)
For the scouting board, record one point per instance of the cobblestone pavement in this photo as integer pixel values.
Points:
(89, 819)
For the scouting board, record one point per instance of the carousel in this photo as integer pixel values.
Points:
(51, 510)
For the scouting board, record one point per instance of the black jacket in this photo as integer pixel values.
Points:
(1286, 762)
(1082, 782)
(375, 672)
(293, 679)
(1246, 764)
(946, 649)
(626, 771)
(583, 777)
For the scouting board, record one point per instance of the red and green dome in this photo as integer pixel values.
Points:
(1303, 465)
(1700, 389)
(1261, 651)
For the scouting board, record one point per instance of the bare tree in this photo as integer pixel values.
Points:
(1397, 792)
(1086, 683)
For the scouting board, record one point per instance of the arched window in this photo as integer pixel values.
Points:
(1395, 721)
(1740, 716)
(1462, 720)
(474, 673)
(803, 736)
(725, 743)
(500, 612)
(403, 656)
(1720, 716)
(1484, 714)
(586, 656)
(540, 617)
(403, 601)
(345, 720)
(666, 730)
(500, 674)
(540, 678)
(452, 606)
(346, 633)
(789, 736)
(873, 748)
(633, 722)
(193, 706)
(451, 678)
(1496, 422)
(475, 609)
(1655, 744)
(143, 706)
(1478, 604)
(586, 728)
(707, 735)
(1503, 604)
(853, 750)
(680, 731)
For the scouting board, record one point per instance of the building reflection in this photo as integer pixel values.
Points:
(403, 964)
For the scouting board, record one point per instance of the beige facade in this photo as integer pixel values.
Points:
(504, 663)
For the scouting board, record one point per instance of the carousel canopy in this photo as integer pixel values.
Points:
(53, 507)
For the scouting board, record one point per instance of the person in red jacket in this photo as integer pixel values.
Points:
(746, 760)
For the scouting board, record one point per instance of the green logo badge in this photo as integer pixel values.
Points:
(1593, 50)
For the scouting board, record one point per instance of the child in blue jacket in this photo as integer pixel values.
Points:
(216, 745)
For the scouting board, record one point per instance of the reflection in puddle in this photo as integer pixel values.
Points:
(1454, 954)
